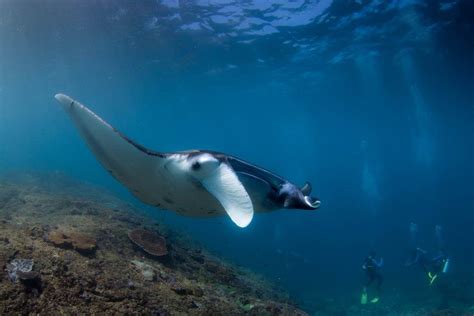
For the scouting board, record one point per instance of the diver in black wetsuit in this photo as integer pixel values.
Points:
(372, 266)
(439, 263)
(419, 257)
(434, 266)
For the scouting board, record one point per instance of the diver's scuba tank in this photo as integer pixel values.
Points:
(446, 265)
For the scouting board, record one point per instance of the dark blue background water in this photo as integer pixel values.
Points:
(371, 101)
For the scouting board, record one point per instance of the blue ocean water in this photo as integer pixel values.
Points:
(370, 101)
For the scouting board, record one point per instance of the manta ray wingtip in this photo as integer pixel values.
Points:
(63, 99)
(243, 222)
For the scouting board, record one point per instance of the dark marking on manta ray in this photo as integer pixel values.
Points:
(140, 147)
(133, 143)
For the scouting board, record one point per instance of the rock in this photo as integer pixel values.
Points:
(149, 242)
(18, 266)
(180, 290)
(83, 243)
(211, 267)
(220, 272)
(198, 292)
(198, 258)
(148, 275)
(248, 307)
(146, 270)
(58, 238)
(31, 279)
(80, 242)
(36, 232)
(126, 218)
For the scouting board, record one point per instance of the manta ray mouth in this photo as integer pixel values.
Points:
(312, 202)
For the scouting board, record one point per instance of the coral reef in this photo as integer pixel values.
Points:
(84, 263)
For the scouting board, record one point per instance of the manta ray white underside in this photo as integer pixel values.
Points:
(171, 181)
(193, 183)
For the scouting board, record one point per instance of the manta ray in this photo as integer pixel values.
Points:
(199, 183)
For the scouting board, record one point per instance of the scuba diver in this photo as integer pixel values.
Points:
(439, 263)
(372, 266)
(434, 266)
(420, 257)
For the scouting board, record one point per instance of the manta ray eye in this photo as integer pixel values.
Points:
(196, 165)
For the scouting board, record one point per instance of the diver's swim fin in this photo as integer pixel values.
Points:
(432, 277)
(363, 298)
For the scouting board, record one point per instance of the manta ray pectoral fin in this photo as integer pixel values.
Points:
(226, 187)
(127, 161)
